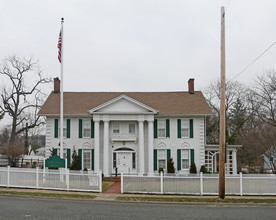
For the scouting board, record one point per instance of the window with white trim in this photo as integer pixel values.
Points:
(87, 159)
(116, 128)
(131, 128)
(161, 157)
(64, 128)
(185, 159)
(161, 128)
(86, 128)
(185, 128)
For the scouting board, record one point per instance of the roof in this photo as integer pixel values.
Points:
(167, 103)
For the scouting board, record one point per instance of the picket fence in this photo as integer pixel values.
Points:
(63, 179)
(207, 184)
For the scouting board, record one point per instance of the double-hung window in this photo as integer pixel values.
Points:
(116, 128)
(161, 159)
(87, 159)
(86, 127)
(64, 128)
(131, 128)
(184, 128)
(161, 128)
(185, 159)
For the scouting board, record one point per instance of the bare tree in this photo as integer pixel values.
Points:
(20, 100)
(235, 106)
(263, 98)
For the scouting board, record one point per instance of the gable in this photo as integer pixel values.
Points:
(123, 104)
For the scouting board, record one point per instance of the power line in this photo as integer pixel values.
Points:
(227, 5)
(255, 60)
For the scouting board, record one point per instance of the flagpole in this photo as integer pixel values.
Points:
(61, 91)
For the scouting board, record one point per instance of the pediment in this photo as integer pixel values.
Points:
(123, 104)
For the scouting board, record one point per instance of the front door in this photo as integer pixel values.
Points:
(124, 162)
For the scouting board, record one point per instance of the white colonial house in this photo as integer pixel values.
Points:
(133, 132)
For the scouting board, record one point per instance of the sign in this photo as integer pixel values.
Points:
(55, 162)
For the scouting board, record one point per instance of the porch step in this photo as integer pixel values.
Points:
(112, 178)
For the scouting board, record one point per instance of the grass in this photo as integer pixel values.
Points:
(42, 194)
(204, 200)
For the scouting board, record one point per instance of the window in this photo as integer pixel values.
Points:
(64, 128)
(161, 159)
(87, 159)
(133, 160)
(131, 128)
(185, 159)
(116, 128)
(184, 128)
(86, 127)
(161, 128)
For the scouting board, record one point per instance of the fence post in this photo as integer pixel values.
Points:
(100, 182)
(67, 178)
(122, 183)
(8, 176)
(37, 177)
(241, 183)
(161, 180)
(44, 172)
(201, 183)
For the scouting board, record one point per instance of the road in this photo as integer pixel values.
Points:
(48, 208)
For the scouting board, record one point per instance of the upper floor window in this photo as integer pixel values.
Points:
(116, 128)
(86, 127)
(184, 128)
(161, 128)
(64, 129)
(131, 128)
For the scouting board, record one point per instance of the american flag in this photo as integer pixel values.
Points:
(59, 46)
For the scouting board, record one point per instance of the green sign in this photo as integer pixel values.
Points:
(55, 162)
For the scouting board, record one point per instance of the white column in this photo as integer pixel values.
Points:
(106, 148)
(97, 145)
(234, 161)
(141, 154)
(150, 148)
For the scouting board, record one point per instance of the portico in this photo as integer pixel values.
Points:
(123, 123)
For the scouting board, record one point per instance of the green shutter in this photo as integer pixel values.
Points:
(179, 128)
(191, 128)
(92, 159)
(155, 128)
(178, 159)
(68, 128)
(192, 156)
(168, 154)
(80, 157)
(54, 151)
(167, 127)
(56, 128)
(92, 128)
(68, 158)
(155, 159)
(80, 128)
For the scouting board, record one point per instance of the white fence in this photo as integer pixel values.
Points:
(63, 179)
(243, 184)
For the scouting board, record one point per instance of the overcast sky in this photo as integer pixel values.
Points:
(150, 45)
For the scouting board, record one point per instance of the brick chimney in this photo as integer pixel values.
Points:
(56, 85)
(191, 86)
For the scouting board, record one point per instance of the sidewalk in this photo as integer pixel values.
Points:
(113, 196)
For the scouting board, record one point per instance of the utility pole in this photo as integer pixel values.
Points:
(222, 111)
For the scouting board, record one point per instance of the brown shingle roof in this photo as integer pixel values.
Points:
(167, 103)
